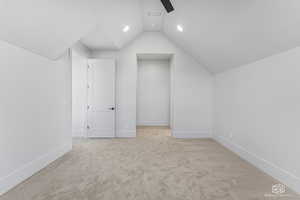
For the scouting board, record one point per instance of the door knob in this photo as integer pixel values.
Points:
(112, 108)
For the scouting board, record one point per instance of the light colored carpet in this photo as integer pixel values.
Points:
(153, 166)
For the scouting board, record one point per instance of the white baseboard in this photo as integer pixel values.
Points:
(126, 133)
(79, 134)
(153, 123)
(119, 134)
(27, 170)
(278, 173)
(190, 134)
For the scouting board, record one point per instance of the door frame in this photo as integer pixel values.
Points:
(171, 58)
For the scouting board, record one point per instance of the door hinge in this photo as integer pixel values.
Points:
(88, 107)
(87, 86)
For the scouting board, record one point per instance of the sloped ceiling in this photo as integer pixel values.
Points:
(220, 34)
(223, 34)
(45, 27)
(139, 15)
(49, 27)
(108, 34)
(153, 14)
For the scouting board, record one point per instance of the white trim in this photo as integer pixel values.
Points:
(126, 133)
(153, 123)
(27, 170)
(282, 175)
(172, 91)
(78, 134)
(190, 134)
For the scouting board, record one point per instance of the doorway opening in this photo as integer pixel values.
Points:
(154, 95)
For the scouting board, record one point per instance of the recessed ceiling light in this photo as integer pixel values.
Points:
(179, 28)
(126, 28)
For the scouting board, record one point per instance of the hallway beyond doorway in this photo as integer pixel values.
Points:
(150, 131)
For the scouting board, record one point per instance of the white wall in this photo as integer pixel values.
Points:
(153, 93)
(193, 87)
(258, 113)
(79, 90)
(35, 112)
(82, 50)
(105, 54)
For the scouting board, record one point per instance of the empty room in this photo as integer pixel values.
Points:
(149, 100)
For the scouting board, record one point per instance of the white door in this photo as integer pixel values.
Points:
(101, 98)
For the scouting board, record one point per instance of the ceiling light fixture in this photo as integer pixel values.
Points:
(179, 28)
(126, 28)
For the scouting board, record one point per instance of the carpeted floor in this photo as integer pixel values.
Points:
(153, 166)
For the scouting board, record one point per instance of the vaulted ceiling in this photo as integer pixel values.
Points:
(220, 34)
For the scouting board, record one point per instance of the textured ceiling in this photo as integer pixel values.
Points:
(220, 34)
